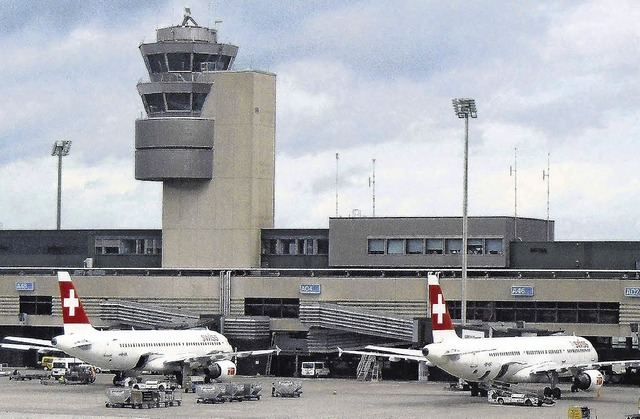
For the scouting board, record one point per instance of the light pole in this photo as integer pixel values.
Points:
(60, 149)
(465, 108)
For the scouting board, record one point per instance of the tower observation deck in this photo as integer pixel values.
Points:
(209, 136)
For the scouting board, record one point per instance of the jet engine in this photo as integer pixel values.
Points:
(220, 370)
(589, 380)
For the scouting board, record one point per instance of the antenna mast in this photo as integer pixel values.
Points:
(337, 158)
(373, 196)
(513, 171)
(545, 175)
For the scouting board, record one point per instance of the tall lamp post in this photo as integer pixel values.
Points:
(465, 108)
(60, 149)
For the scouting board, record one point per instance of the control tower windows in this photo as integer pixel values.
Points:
(178, 101)
(179, 61)
(154, 103)
(200, 59)
(157, 63)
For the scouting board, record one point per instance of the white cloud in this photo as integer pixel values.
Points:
(366, 79)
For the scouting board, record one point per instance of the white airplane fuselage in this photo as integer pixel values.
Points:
(132, 349)
(509, 359)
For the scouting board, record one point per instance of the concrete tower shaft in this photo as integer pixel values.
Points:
(209, 136)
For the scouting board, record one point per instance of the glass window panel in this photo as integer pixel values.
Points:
(179, 61)
(395, 246)
(415, 246)
(288, 247)
(154, 102)
(199, 59)
(505, 315)
(376, 246)
(454, 246)
(609, 317)
(323, 246)
(587, 316)
(494, 246)
(435, 246)
(526, 314)
(178, 101)
(568, 316)
(157, 63)
(475, 246)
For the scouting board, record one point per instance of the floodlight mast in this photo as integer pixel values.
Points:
(465, 108)
(60, 149)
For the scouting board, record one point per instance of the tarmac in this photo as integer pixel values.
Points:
(320, 398)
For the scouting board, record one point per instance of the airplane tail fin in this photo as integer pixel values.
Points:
(73, 314)
(440, 319)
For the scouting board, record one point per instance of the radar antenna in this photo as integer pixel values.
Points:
(188, 18)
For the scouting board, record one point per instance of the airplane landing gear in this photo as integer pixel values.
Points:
(554, 392)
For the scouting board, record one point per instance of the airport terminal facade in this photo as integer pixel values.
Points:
(209, 137)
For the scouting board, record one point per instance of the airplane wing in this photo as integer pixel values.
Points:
(25, 344)
(244, 354)
(212, 356)
(393, 354)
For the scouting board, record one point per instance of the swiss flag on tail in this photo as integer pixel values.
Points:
(72, 311)
(440, 318)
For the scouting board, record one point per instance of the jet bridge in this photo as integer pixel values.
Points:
(143, 316)
(357, 320)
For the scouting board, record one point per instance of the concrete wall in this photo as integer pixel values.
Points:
(348, 238)
(218, 223)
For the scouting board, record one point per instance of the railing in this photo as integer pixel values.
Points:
(473, 273)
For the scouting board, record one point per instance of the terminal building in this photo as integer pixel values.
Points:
(218, 261)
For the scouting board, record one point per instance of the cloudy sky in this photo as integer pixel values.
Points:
(365, 79)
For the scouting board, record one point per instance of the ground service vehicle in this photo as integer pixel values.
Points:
(314, 369)
(502, 396)
(47, 362)
(60, 366)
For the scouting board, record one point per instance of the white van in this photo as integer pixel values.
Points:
(314, 369)
(61, 365)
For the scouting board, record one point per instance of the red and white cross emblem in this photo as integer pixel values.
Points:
(439, 309)
(71, 302)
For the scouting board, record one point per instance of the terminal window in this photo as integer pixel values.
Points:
(295, 246)
(36, 304)
(539, 311)
(376, 246)
(272, 307)
(128, 246)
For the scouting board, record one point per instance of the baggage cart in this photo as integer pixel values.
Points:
(210, 393)
(286, 388)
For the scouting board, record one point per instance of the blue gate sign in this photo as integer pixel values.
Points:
(522, 290)
(25, 286)
(309, 288)
(632, 291)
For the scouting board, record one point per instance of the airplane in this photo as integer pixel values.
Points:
(503, 360)
(130, 352)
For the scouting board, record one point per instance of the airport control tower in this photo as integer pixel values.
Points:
(209, 137)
